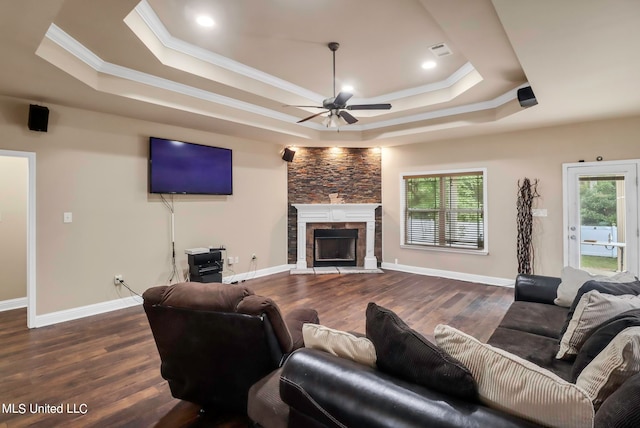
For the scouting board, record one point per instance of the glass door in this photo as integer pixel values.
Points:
(601, 217)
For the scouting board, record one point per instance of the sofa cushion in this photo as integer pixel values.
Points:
(621, 409)
(295, 319)
(593, 309)
(537, 318)
(511, 384)
(615, 289)
(598, 338)
(540, 350)
(197, 295)
(573, 279)
(617, 362)
(264, 405)
(258, 305)
(339, 343)
(403, 352)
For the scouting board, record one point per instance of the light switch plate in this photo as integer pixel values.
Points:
(67, 217)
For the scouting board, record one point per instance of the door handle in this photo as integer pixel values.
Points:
(572, 228)
(572, 237)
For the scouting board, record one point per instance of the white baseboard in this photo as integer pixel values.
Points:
(127, 302)
(461, 276)
(7, 305)
(86, 311)
(245, 276)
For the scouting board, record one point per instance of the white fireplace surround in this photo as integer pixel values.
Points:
(337, 213)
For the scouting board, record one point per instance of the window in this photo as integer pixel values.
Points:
(444, 210)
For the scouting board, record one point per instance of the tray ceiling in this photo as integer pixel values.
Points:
(149, 59)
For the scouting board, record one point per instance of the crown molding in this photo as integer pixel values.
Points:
(59, 37)
(150, 18)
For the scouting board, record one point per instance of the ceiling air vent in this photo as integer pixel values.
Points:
(440, 49)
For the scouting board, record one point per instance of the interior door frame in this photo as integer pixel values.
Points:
(31, 231)
(633, 265)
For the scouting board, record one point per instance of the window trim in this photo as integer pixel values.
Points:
(449, 172)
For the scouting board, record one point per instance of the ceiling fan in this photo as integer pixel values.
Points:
(337, 104)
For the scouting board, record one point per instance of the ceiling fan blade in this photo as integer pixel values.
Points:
(312, 116)
(294, 105)
(342, 99)
(347, 117)
(369, 107)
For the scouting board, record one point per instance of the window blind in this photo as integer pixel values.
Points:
(444, 210)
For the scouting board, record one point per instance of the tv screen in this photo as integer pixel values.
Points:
(179, 167)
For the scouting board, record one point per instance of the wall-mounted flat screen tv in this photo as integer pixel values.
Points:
(187, 168)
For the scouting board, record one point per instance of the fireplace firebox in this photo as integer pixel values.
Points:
(335, 247)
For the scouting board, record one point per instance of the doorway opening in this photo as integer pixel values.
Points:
(30, 248)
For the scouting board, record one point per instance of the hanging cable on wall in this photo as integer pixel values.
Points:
(527, 192)
(175, 273)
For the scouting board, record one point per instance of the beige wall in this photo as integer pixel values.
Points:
(13, 227)
(95, 166)
(508, 157)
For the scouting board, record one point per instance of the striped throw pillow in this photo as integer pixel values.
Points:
(612, 366)
(593, 309)
(339, 343)
(513, 385)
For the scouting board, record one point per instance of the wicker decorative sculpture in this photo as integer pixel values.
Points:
(527, 192)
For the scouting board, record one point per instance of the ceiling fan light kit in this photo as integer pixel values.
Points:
(337, 104)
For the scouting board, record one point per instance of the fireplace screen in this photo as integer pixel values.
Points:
(335, 247)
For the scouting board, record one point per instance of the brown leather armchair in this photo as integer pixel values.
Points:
(216, 340)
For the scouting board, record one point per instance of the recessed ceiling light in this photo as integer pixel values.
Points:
(347, 88)
(428, 65)
(205, 21)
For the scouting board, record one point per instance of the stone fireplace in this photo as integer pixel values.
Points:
(349, 227)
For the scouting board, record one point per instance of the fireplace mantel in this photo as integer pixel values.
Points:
(337, 213)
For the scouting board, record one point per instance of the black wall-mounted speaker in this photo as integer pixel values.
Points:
(38, 118)
(288, 155)
(526, 97)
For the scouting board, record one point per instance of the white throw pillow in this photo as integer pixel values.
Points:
(339, 343)
(612, 366)
(593, 309)
(572, 279)
(514, 385)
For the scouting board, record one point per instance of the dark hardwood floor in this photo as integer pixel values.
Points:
(109, 363)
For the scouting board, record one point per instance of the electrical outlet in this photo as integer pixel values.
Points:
(230, 260)
(117, 279)
(253, 256)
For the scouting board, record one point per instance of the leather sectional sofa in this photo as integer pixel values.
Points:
(323, 390)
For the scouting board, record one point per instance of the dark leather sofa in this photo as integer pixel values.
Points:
(326, 391)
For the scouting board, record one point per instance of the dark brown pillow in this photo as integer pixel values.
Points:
(620, 409)
(404, 353)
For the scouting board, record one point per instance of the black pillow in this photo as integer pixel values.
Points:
(599, 338)
(404, 353)
(620, 409)
(613, 288)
